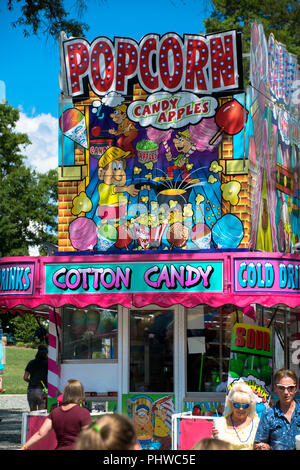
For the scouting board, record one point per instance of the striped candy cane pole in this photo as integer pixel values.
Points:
(191, 151)
(53, 366)
(166, 145)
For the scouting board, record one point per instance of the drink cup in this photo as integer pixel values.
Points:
(219, 425)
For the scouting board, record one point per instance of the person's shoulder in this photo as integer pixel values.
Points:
(56, 410)
(269, 412)
(297, 406)
(84, 410)
(30, 363)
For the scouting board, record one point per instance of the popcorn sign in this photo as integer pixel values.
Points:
(194, 63)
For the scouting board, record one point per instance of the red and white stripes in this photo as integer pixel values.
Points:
(53, 347)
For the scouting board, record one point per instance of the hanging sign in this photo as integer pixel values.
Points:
(259, 275)
(251, 359)
(193, 63)
(16, 279)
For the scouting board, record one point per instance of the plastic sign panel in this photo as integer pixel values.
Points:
(273, 140)
(251, 359)
(16, 279)
(140, 128)
(272, 275)
(193, 63)
(151, 415)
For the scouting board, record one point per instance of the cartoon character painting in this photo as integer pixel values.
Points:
(154, 168)
(152, 418)
(126, 130)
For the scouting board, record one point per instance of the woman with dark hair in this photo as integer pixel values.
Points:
(67, 420)
(36, 374)
(280, 424)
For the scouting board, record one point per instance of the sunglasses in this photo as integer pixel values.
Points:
(289, 388)
(241, 405)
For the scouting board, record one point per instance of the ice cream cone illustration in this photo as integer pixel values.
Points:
(72, 124)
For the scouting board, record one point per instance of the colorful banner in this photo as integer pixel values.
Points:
(152, 417)
(273, 144)
(272, 275)
(251, 359)
(16, 279)
(134, 277)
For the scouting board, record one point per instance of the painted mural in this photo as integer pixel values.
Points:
(273, 144)
(146, 143)
(151, 415)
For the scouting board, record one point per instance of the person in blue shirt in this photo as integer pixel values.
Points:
(280, 424)
(1, 361)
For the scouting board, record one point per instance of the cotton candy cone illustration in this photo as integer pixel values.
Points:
(72, 124)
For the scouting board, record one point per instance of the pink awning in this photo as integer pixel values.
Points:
(238, 278)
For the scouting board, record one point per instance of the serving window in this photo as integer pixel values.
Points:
(90, 333)
(151, 351)
(208, 333)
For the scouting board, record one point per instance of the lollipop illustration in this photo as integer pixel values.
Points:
(231, 118)
(72, 124)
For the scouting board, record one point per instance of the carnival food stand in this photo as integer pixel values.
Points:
(178, 221)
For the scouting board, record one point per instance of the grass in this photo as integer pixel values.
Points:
(16, 361)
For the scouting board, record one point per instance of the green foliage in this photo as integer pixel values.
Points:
(48, 17)
(25, 327)
(28, 213)
(16, 361)
(280, 18)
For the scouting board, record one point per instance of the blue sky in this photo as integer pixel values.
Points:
(30, 66)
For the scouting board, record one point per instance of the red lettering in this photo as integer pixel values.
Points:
(155, 108)
(159, 64)
(205, 107)
(78, 62)
(146, 110)
(126, 62)
(266, 341)
(165, 105)
(162, 118)
(148, 48)
(137, 111)
(102, 59)
(259, 340)
(171, 62)
(196, 62)
(180, 113)
(189, 110)
(197, 108)
(172, 114)
(222, 61)
(239, 339)
(250, 339)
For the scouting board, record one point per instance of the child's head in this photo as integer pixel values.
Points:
(209, 443)
(109, 432)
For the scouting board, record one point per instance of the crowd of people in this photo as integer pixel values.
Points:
(239, 429)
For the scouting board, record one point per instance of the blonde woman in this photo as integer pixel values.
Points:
(109, 432)
(240, 422)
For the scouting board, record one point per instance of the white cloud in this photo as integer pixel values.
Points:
(42, 131)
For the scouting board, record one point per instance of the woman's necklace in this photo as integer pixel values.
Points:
(238, 433)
